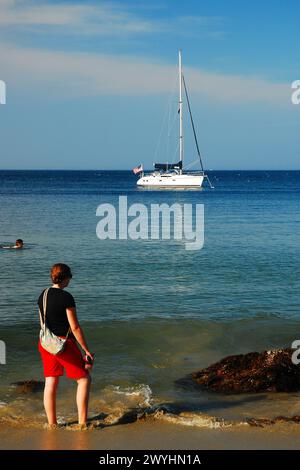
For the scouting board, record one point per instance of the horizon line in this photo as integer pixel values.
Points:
(130, 170)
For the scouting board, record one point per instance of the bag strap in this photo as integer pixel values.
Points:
(69, 330)
(45, 297)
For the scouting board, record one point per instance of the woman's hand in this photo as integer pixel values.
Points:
(89, 354)
(89, 360)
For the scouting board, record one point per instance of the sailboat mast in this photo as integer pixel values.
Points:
(180, 113)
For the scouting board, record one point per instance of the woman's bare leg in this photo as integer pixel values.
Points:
(51, 384)
(82, 398)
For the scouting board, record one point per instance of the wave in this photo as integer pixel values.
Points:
(124, 405)
(142, 392)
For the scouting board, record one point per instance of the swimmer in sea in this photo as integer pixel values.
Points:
(17, 246)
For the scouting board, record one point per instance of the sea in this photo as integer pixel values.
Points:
(151, 310)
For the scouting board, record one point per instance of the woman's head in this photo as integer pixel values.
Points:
(61, 274)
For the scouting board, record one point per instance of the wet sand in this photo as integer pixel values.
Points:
(151, 435)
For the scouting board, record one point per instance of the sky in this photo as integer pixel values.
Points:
(93, 84)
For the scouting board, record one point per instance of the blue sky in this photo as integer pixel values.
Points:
(89, 83)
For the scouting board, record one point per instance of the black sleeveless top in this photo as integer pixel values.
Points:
(56, 316)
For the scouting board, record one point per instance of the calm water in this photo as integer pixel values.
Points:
(153, 311)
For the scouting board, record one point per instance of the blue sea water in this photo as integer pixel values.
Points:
(152, 311)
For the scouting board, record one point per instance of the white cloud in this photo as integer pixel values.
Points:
(102, 18)
(82, 74)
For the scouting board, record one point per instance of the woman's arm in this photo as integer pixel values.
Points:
(77, 331)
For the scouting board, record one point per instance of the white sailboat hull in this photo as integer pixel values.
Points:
(169, 180)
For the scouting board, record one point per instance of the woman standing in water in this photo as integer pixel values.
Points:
(61, 318)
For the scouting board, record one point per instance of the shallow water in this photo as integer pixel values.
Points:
(152, 311)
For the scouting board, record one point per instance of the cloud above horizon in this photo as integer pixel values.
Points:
(103, 18)
(85, 74)
(72, 73)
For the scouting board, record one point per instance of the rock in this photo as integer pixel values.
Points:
(268, 371)
(28, 386)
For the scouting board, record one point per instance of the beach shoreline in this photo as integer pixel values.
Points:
(151, 435)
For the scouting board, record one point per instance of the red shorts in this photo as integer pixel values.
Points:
(70, 359)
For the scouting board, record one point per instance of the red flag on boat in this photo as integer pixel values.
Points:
(137, 169)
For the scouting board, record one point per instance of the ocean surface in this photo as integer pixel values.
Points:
(151, 310)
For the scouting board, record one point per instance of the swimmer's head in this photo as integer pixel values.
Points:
(61, 274)
(19, 243)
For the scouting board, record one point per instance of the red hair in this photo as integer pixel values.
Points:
(60, 272)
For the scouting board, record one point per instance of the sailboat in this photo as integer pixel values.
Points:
(173, 175)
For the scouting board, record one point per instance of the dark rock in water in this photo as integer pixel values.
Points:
(28, 386)
(268, 371)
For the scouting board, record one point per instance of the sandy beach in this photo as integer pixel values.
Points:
(152, 435)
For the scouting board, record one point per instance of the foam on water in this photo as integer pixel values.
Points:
(141, 392)
(198, 420)
(124, 405)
